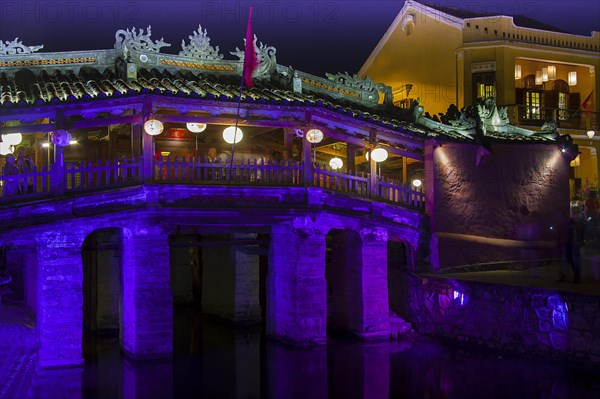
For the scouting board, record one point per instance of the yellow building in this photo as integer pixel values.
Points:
(444, 55)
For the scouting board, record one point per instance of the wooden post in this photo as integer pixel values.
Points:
(136, 140)
(350, 157)
(372, 178)
(288, 142)
(58, 170)
(404, 171)
(307, 163)
(147, 147)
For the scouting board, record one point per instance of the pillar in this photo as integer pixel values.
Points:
(58, 178)
(147, 299)
(230, 280)
(307, 162)
(374, 318)
(296, 290)
(147, 156)
(60, 298)
(351, 158)
(288, 143)
(136, 140)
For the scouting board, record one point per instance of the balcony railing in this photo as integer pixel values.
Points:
(90, 176)
(566, 119)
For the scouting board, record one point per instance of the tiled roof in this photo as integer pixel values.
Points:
(55, 86)
(27, 89)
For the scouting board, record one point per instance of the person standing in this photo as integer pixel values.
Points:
(570, 251)
(592, 210)
(26, 166)
(12, 185)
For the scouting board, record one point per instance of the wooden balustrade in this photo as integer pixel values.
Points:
(30, 184)
(337, 181)
(394, 191)
(85, 175)
(175, 170)
(80, 176)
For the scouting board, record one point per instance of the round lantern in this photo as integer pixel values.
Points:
(5, 148)
(379, 154)
(591, 134)
(196, 127)
(314, 136)
(153, 127)
(417, 183)
(230, 134)
(12, 138)
(336, 163)
(61, 138)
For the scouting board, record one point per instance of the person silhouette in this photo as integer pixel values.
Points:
(11, 185)
(26, 166)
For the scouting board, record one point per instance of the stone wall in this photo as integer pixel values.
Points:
(539, 322)
(500, 204)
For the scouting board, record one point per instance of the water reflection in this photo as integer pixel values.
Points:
(212, 360)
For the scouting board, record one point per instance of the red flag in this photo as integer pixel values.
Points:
(250, 61)
(588, 104)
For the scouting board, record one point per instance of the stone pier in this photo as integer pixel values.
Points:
(147, 298)
(296, 290)
(60, 298)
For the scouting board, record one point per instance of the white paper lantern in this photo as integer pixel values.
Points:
(379, 154)
(5, 148)
(591, 134)
(61, 138)
(336, 163)
(12, 138)
(417, 183)
(314, 136)
(230, 134)
(196, 127)
(153, 127)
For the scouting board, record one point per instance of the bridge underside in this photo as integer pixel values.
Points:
(300, 261)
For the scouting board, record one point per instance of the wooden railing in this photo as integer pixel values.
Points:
(564, 118)
(336, 181)
(30, 184)
(251, 172)
(394, 191)
(85, 175)
(81, 176)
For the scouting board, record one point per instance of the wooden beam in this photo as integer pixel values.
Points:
(42, 128)
(225, 121)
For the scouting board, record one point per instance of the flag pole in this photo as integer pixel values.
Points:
(248, 68)
(237, 119)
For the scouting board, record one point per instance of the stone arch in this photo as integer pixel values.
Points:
(399, 262)
(102, 270)
(343, 263)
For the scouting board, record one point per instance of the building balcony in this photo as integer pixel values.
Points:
(565, 119)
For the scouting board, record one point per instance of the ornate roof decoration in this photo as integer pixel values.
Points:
(265, 56)
(132, 40)
(482, 119)
(16, 47)
(496, 120)
(199, 47)
(351, 81)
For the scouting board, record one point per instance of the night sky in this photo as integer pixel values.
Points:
(313, 36)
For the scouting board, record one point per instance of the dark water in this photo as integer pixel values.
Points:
(214, 361)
